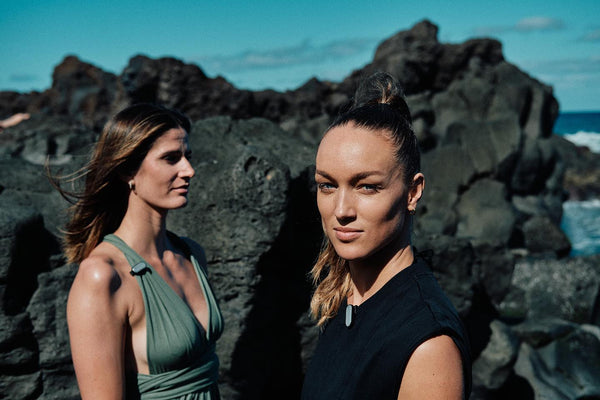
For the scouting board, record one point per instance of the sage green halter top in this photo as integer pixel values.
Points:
(181, 353)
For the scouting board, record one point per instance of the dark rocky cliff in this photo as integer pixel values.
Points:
(489, 220)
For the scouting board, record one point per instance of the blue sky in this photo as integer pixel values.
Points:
(281, 44)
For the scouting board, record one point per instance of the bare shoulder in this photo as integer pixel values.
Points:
(99, 270)
(98, 280)
(439, 346)
(434, 371)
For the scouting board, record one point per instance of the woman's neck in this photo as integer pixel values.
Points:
(144, 230)
(370, 275)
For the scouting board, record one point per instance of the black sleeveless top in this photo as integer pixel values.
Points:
(367, 359)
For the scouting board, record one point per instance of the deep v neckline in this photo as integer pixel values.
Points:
(172, 291)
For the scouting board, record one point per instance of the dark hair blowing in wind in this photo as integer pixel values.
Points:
(118, 154)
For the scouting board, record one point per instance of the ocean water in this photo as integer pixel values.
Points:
(581, 219)
(581, 223)
(583, 129)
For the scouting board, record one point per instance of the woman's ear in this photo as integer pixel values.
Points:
(125, 176)
(415, 191)
(128, 180)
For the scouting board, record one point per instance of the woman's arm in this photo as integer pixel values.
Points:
(97, 318)
(434, 371)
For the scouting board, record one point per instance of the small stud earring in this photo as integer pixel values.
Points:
(131, 184)
(412, 212)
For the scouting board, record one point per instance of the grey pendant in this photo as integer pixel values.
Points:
(349, 312)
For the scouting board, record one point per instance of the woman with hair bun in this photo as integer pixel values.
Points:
(387, 329)
(143, 320)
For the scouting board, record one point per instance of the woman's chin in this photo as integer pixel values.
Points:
(183, 204)
(350, 254)
(174, 204)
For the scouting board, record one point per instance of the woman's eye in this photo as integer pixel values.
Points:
(368, 188)
(325, 187)
(172, 158)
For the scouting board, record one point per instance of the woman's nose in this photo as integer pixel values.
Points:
(345, 208)
(187, 171)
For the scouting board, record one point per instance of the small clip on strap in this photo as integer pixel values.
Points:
(138, 268)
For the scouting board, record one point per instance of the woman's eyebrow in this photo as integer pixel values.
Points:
(171, 148)
(171, 151)
(366, 174)
(323, 174)
(355, 178)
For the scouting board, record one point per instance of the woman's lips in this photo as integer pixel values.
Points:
(346, 234)
(182, 189)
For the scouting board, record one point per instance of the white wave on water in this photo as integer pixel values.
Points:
(583, 138)
(581, 223)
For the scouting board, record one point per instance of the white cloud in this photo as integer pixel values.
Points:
(303, 53)
(539, 23)
(591, 36)
(525, 25)
(567, 73)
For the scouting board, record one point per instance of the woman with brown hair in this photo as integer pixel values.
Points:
(387, 329)
(143, 320)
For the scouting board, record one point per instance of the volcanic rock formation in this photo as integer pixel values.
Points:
(488, 223)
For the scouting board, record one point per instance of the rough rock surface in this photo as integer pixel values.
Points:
(494, 365)
(582, 172)
(566, 368)
(573, 282)
(489, 222)
(249, 213)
